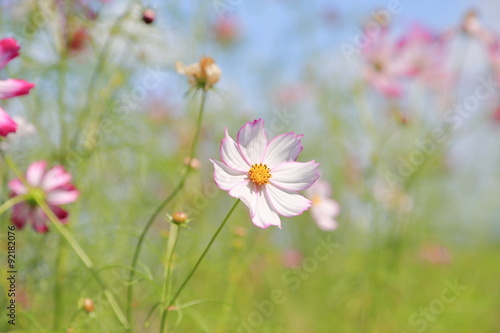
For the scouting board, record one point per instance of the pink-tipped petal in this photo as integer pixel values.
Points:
(35, 173)
(39, 220)
(252, 141)
(17, 187)
(264, 215)
(230, 154)
(62, 197)
(9, 49)
(226, 177)
(20, 214)
(61, 214)
(7, 124)
(294, 176)
(54, 178)
(283, 148)
(14, 87)
(287, 203)
(246, 191)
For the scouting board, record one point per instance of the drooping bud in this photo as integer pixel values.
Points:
(203, 74)
(148, 16)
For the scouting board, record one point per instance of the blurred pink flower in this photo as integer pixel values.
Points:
(226, 29)
(264, 174)
(324, 209)
(53, 185)
(473, 27)
(7, 125)
(9, 49)
(292, 258)
(423, 57)
(383, 70)
(435, 254)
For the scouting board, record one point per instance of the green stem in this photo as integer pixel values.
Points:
(162, 205)
(85, 259)
(11, 202)
(167, 283)
(207, 248)
(58, 287)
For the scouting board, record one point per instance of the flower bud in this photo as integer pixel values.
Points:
(88, 305)
(148, 16)
(203, 74)
(179, 218)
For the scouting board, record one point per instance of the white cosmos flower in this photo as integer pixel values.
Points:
(264, 174)
(324, 209)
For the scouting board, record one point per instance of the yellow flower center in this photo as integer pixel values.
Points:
(259, 174)
(316, 200)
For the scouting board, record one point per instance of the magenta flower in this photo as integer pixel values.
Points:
(9, 49)
(324, 209)
(264, 174)
(7, 125)
(53, 185)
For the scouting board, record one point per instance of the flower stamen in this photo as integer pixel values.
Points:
(259, 174)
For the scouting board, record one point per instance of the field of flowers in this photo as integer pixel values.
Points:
(249, 166)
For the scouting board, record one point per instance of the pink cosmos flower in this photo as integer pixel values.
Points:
(383, 70)
(324, 209)
(9, 49)
(264, 174)
(7, 125)
(53, 185)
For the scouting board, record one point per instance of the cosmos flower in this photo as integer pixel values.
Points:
(264, 174)
(9, 49)
(324, 209)
(383, 70)
(203, 74)
(7, 125)
(53, 185)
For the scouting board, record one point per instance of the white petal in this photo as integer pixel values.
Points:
(265, 215)
(55, 177)
(283, 148)
(62, 197)
(294, 176)
(323, 222)
(35, 173)
(247, 192)
(286, 203)
(226, 177)
(231, 156)
(252, 141)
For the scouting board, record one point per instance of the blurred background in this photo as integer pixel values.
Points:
(398, 101)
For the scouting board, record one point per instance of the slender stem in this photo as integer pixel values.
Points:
(167, 284)
(61, 84)
(11, 202)
(162, 205)
(86, 260)
(209, 245)
(58, 287)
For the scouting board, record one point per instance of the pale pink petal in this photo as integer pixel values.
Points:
(14, 87)
(17, 187)
(39, 220)
(7, 124)
(62, 197)
(20, 214)
(294, 176)
(35, 173)
(323, 222)
(286, 203)
(252, 141)
(54, 178)
(226, 177)
(9, 49)
(264, 215)
(324, 213)
(247, 192)
(283, 148)
(230, 154)
(320, 188)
